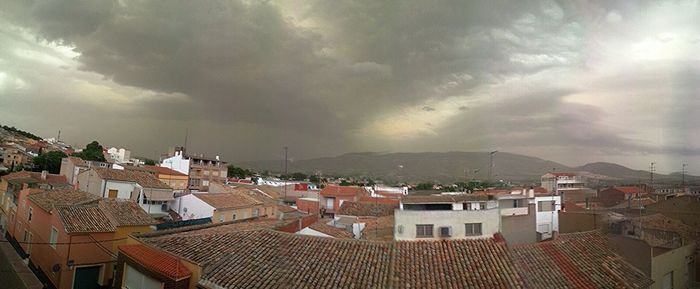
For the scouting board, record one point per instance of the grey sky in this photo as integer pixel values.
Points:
(569, 81)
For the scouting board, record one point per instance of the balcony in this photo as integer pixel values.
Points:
(514, 211)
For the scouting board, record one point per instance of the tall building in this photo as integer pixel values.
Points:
(200, 169)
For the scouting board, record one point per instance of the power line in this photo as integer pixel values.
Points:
(63, 243)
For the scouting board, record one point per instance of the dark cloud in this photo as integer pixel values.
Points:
(248, 77)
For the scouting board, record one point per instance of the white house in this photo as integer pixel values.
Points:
(151, 194)
(446, 217)
(191, 207)
(547, 208)
(119, 155)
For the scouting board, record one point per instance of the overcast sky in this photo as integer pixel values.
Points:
(573, 81)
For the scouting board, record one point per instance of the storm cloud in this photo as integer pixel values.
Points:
(571, 81)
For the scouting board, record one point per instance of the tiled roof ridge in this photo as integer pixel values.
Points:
(193, 228)
(62, 216)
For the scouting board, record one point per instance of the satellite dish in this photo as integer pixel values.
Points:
(56, 268)
(184, 209)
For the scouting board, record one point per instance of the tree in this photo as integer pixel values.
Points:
(50, 161)
(149, 162)
(314, 179)
(345, 183)
(92, 152)
(424, 186)
(236, 172)
(298, 176)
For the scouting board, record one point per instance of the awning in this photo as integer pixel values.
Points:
(158, 195)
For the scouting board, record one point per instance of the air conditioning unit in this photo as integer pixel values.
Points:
(445, 232)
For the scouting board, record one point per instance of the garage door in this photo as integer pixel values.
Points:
(87, 277)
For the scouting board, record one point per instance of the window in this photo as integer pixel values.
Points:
(482, 206)
(546, 206)
(472, 229)
(112, 194)
(467, 206)
(516, 204)
(667, 283)
(221, 218)
(234, 217)
(424, 231)
(54, 237)
(137, 280)
(256, 212)
(29, 215)
(445, 232)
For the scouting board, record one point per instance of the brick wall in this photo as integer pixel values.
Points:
(308, 206)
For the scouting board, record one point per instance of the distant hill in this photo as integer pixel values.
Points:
(448, 167)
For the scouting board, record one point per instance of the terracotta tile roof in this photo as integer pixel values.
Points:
(443, 199)
(85, 219)
(216, 228)
(163, 171)
(271, 259)
(286, 209)
(47, 199)
(144, 179)
(126, 212)
(230, 200)
(367, 209)
(481, 263)
(35, 177)
(332, 231)
(157, 261)
(578, 260)
(343, 191)
(629, 190)
(664, 223)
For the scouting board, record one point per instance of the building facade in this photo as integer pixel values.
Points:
(200, 169)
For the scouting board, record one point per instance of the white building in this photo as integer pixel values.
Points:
(191, 207)
(150, 193)
(446, 217)
(119, 155)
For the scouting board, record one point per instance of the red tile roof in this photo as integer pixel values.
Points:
(578, 260)
(144, 179)
(125, 212)
(47, 199)
(629, 190)
(343, 191)
(157, 261)
(85, 219)
(332, 231)
(35, 177)
(367, 209)
(271, 259)
(164, 171)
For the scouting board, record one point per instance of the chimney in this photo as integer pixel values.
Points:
(44, 174)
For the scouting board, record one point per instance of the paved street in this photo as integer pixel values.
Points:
(13, 272)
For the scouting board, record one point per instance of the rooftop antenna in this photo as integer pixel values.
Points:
(58, 138)
(652, 169)
(491, 164)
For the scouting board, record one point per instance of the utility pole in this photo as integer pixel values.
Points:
(491, 164)
(651, 173)
(683, 175)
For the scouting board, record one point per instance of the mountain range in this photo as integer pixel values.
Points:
(448, 167)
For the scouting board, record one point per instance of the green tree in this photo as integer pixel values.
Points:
(236, 172)
(345, 183)
(298, 176)
(424, 186)
(92, 152)
(314, 179)
(149, 162)
(50, 161)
